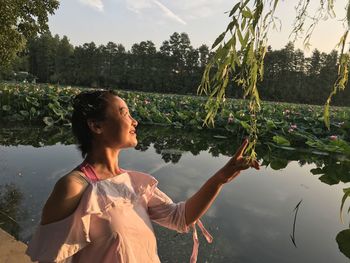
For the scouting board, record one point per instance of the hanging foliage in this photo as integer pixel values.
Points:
(241, 48)
(240, 58)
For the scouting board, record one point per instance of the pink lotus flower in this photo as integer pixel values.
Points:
(333, 137)
(230, 119)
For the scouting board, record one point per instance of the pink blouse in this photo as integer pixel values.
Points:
(112, 223)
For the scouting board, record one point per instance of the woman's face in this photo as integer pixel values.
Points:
(118, 130)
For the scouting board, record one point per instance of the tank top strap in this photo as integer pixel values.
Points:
(88, 171)
(80, 177)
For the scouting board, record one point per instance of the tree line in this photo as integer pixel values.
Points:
(177, 67)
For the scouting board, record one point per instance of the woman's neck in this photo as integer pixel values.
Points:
(105, 161)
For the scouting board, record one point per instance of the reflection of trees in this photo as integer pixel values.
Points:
(35, 136)
(10, 214)
(171, 143)
(343, 240)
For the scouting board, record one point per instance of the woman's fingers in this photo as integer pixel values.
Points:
(241, 149)
(256, 165)
(247, 163)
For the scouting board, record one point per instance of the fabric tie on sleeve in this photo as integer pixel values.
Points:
(205, 233)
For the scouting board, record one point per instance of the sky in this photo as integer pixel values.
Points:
(132, 21)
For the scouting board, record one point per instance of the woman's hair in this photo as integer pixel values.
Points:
(89, 105)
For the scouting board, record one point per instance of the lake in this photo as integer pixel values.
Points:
(253, 219)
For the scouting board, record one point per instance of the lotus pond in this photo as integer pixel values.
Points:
(279, 123)
(289, 211)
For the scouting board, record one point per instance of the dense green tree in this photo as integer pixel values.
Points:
(63, 62)
(175, 68)
(203, 55)
(86, 65)
(141, 73)
(20, 20)
(42, 54)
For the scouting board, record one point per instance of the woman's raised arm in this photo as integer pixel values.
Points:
(200, 202)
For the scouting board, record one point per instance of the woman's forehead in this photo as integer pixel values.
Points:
(119, 103)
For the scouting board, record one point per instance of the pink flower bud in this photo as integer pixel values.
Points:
(333, 137)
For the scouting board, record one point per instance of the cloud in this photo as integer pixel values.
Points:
(138, 6)
(97, 4)
(167, 12)
(197, 9)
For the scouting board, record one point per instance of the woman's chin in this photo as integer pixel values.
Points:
(129, 144)
(134, 143)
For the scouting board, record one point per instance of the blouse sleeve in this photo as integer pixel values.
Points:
(165, 212)
(59, 241)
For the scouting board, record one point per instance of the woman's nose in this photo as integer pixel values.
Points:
(134, 122)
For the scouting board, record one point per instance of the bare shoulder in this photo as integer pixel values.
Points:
(64, 198)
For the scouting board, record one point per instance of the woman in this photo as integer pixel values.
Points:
(102, 213)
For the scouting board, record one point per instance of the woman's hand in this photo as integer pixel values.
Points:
(236, 164)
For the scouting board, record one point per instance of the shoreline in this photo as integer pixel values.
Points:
(12, 250)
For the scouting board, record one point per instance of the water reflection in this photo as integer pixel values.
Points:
(10, 212)
(171, 145)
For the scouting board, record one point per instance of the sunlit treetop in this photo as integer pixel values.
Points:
(20, 20)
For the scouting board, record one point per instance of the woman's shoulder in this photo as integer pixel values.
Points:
(73, 179)
(65, 197)
(72, 184)
(144, 183)
(142, 177)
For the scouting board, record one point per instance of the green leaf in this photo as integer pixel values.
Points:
(234, 9)
(245, 125)
(6, 107)
(230, 26)
(281, 140)
(343, 240)
(278, 164)
(348, 15)
(271, 125)
(246, 38)
(247, 14)
(48, 121)
(329, 179)
(326, 116)
(240, 38)
(24, 113)
(316, 171)
(220, 137)
(345, 196)
(218, 40)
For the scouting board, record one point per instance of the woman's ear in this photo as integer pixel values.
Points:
(94, 126)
